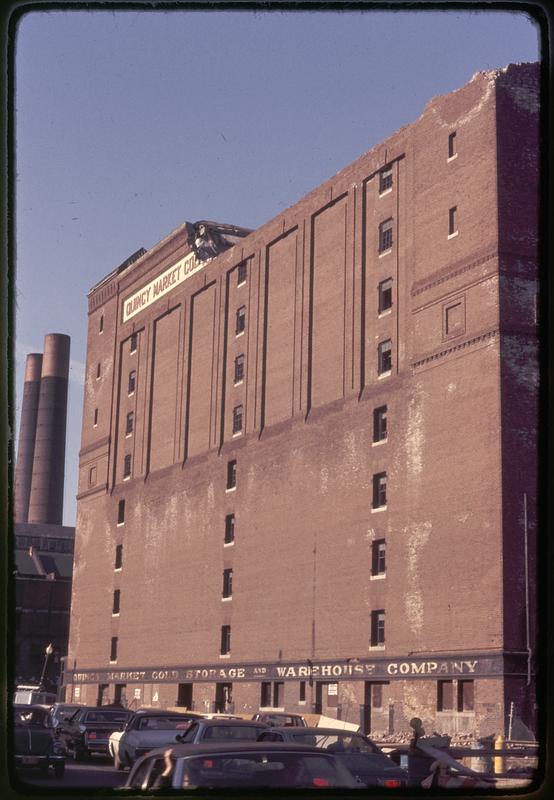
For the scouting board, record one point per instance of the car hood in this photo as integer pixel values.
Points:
(30, 741)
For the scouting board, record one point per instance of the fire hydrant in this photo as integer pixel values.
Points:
(499, 761)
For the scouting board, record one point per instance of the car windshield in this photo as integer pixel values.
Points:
(224, 732)
(106, 716)
(283, 770)
(36, 717)
(163, 723)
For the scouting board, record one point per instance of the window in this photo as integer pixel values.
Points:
(385, 235)
(377, 695)
(265, 694)
(92, 476)
(302, 692)
(452, 145)
(127, 466)
(378, 564)
(95, 417)
(118, 556)
(278, 694)
(98, 371)
(453, 221)
(465, 695)
(241, 274)
(380, 490)
(385, 179)
(231, 474)
(377, 628)
(445, 696)
(240, 320)
(129, 423)
(132, 382)
(237, 419)
(239, 369)
(116, 599)
(101, 324)
(113, 649)
(121, 512)
(227, 583)
(225, 640)
(385, 295)
(380, 424)
(133, 343)
(384, 357)
(229, 529)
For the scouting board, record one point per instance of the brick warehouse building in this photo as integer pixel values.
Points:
(306, 449)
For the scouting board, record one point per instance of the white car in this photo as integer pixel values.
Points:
(145, 731)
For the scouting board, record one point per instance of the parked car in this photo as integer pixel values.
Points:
(221, 730)
(146, 730)
(357, 752)
(89, 729)
(60, 711)
(35, 741)
(242, 765)
(280, 718)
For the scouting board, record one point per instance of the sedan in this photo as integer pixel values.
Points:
(147, 730)
(240, 765)
(221, 730)
(89, 729)
(35, 742)
(358, 753)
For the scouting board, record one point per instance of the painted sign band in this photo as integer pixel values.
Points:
(164, 283)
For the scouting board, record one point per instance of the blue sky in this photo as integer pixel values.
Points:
(130, 122)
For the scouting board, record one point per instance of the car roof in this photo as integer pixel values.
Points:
(299, 731)
(242, 723)
(203, 748)
(163, 712)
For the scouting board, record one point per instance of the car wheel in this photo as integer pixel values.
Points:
(118, 763)
(59, 769)
(80, 755)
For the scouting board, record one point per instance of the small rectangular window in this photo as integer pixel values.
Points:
(116, 599)
(101, 323)
(132, 382)
(385, 179)
(225, 640)
(380, 490)
(231, 474)
(378, 563)
(229, 529)
(237, 419)
(92, 476)
(302, 692)
(453, 221)
(127, 466)
(466, 695)
(239, 369)
(129, 423)
(452, 144)
(265, 694)
(98, 371)
(113, 649)
(445, 696)
(385, 235)
(227, 583)
(95, 417)
(278, 694)
(380, 424)
(121, 512)
(133, 343)
(118, 556)
(241, 273)
(384, 357)
(385, 295)
(377, 695)
(240, 320)
(377, 628)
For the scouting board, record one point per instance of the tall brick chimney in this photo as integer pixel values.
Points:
(46, 497)
(27, 433)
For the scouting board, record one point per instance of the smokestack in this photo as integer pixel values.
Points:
(27, 431)
(46, 499)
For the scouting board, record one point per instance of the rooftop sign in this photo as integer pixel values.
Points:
(161, 285)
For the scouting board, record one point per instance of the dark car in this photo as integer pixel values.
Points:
(146, 730)
(280, 719)
(89, 729)
(61, 711)
(35, 741)
(241, 765)
(221, 730)
(357, 752)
